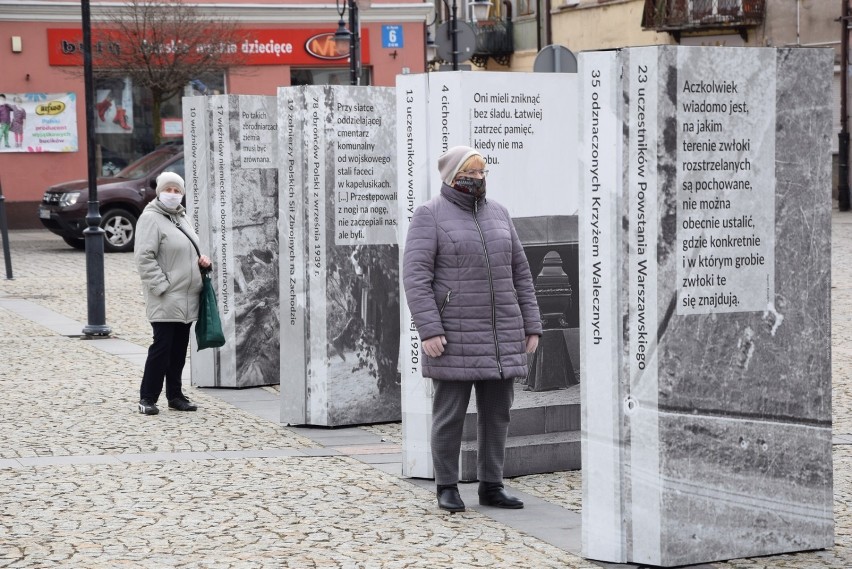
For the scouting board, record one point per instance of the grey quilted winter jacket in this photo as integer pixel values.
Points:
(484, 304)
(168, 265)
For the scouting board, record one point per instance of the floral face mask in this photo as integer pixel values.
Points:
(473, 186)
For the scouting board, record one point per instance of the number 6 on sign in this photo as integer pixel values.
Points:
(392, 36)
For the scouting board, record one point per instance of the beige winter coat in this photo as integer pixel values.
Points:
(168, 265)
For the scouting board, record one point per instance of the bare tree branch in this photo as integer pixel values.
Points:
(163, 44)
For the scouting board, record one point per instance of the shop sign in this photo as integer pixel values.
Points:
(323, 46)
(171, 128)
(302, 47)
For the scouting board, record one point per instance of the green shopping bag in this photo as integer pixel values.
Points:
(208, 328)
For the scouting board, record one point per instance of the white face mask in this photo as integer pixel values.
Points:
(171, 201)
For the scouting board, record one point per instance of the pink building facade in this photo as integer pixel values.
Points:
(41, 81)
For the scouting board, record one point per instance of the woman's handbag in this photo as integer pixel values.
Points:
(208, 328)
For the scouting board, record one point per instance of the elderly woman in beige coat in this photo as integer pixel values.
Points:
(171, 280)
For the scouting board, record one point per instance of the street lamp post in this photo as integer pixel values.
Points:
(454, 32)
(354, 45)
(480, 12)
(432, 46)
(350, 39)
(94, 235)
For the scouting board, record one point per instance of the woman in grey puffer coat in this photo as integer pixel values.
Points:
(471, 295)
(169, 267)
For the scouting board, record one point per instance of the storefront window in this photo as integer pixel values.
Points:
(124, 128)
(326, 76)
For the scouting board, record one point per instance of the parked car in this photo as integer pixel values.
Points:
(121, 198)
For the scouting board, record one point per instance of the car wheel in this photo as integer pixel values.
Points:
(119, 227)
(76, 242)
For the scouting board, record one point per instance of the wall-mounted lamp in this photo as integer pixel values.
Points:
(481, 8)
(17, 44)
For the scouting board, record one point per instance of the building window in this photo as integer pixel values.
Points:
(326, 76)
(705, 8)
(524, 7)
(124, 129)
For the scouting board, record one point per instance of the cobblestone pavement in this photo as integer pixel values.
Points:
(85, 481)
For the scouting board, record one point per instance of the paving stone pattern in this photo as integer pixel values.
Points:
(247, 513)
(87, 482)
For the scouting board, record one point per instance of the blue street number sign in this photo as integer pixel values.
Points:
(392, 36)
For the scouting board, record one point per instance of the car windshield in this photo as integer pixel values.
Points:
(145, 165)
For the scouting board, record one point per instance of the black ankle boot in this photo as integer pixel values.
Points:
(493, 494)
(449, 498)
(182, 404)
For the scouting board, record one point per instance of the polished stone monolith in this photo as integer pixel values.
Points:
(705, 303)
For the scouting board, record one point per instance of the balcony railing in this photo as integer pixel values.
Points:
(684, 15)
(494, 40)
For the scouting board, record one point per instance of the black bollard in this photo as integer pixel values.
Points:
(4, 230)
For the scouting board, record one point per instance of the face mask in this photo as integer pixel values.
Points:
(473, 186)
(171, 201)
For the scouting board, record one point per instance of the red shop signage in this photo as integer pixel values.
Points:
(314, 47)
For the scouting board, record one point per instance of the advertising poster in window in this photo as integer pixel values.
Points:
(38, 122)
(114, 107)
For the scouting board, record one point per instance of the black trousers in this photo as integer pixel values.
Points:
(166, 358)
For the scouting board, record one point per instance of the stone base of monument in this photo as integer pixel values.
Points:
(544, 434)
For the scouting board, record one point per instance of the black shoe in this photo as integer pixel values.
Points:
(449, 498)
(146, 407)
(493, 494)
(182, 404)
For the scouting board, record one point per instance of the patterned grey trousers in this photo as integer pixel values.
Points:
(494, 398)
